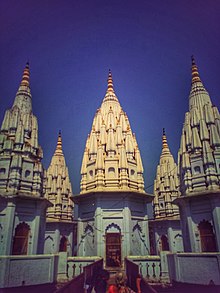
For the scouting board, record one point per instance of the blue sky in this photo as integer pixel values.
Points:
(72, 44)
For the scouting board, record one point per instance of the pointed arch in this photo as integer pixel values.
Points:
(113, 228)
(20, 241)
(88, 229)
(137, 227)
(49, 245)
(207, 236)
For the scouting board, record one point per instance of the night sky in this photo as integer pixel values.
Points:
(72, 44)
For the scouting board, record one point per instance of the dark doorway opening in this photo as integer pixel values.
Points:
(20, 241)
(164, 243)
(113, 249)
(63, 244)
(207, 236)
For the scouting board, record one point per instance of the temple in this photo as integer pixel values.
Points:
(22, 205)
(58, 190)
(48, 235)
(111, 158)
(199, 171)
(165, 230)
(112, 202)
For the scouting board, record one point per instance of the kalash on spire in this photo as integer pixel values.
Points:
(111, 158)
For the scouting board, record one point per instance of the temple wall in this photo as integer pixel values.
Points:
(27, 270)
(193, 268)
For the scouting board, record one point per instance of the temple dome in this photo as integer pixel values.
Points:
(111, 160)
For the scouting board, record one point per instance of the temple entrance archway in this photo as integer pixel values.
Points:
(20, 241)
(207, 237)
(113, 249)
(113, 245)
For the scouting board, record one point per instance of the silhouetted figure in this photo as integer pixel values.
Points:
(100, 282)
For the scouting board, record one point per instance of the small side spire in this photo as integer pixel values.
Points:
(110, 82)
(59, 149)
(195, 72)
(26, 75)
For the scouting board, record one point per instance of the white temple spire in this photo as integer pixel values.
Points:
(58, 187)
(112, 163)
(19, 143)
(200, 143)
(166, 184)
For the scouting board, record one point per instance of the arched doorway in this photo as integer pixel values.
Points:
(113, 249)
(164, 243)
(113, 245)
(207, 237)
(20, 241)
(63, 244)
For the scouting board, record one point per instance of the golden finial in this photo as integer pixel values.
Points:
(26, 75)
(110, 82)
(195, 72)
(59, 149)
(164, 140)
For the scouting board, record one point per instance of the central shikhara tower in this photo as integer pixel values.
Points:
(113, 221)
(111, 158)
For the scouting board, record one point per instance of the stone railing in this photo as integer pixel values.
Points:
(76, 265)
(78, 283)
(135, 281)
(149, 266)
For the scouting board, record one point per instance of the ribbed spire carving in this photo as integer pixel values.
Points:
(111, 159)
(58, 188)
(166, 184)
(200, 143)
(20, 153)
